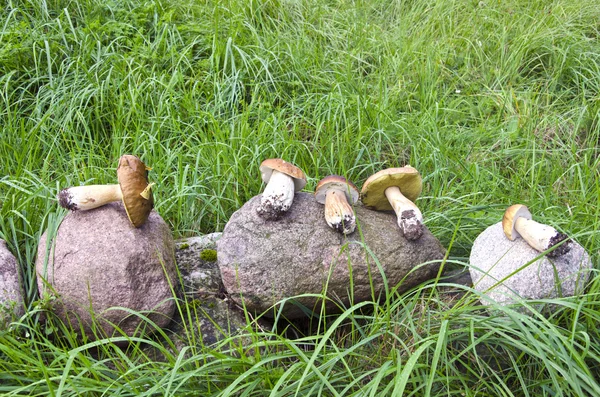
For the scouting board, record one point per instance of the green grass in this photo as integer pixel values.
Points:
(494, 102)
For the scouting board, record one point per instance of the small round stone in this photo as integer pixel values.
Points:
(501, 269)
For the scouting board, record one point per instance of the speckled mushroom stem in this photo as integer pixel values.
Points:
(338, 212)
(409, 216)
(88, 197)
(277, 197)
(542, 237)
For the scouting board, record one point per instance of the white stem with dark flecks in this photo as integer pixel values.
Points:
(409, 216)
(277, 197)
(89, 197)
(338, 212)
(541, 237)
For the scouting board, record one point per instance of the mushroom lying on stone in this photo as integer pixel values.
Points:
(396, 188)
(517, 222)
(133, 188)
(101, 271)
(338, 194)
(506, 272)
(263, 264)
(283, 179)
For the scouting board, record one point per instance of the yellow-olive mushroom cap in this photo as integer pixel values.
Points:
(510, 217)
(339, 183)
(407, 179)
(268, 166)
(132, 174)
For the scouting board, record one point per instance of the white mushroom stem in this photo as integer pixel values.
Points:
(278, 195)
(541, 237)
(409, 216)
(338, 212)
(89, 197)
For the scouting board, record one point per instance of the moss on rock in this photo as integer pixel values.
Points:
(208, 255)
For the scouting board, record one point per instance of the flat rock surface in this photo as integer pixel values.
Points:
(214, 318)
(266, 261)
(205, 317)
(11, 293)
(99, 261)
(501, 270)
(201, 276)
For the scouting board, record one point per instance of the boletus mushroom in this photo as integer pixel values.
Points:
(133, 189)
(517, 222)
(338, 194)
(283, 179)
(396, 189)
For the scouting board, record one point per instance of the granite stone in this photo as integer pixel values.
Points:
(509, 271)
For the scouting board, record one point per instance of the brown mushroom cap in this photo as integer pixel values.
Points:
(407, 179)
(267, 167)
(132, 174)
(339, 183)
(510, 217)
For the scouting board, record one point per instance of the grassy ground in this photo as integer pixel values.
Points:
(494, 102)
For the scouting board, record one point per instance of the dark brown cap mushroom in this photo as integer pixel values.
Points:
(283, 179)
(338, 194)
(133, 189)
(132, 174)
(396, 188)
(517, 222)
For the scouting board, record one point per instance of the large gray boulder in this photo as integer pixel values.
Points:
(97, 261)
(507, 272)
(11, 292)
(262, 262)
